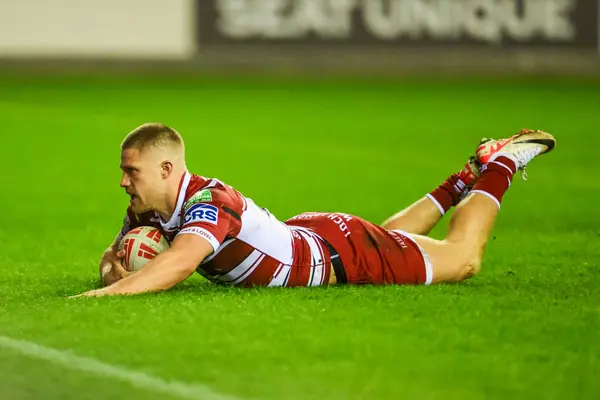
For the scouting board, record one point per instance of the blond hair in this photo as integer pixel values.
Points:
(152, 135)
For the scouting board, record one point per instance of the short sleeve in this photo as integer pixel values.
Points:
(207, 213)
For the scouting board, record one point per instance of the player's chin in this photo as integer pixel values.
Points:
(137, 206)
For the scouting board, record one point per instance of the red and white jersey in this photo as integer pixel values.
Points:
(251, 246)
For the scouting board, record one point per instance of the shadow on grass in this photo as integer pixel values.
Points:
(73, 284)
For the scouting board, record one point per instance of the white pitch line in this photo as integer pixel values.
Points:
(135, 378)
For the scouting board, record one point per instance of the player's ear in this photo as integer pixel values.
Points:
(166, 169)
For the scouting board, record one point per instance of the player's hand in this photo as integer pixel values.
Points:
(111, 267)
(117, 265)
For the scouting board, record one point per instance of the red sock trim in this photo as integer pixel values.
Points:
(448, 194)
(495, 178)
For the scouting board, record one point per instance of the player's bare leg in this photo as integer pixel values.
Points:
(459, 255)
(420, 217)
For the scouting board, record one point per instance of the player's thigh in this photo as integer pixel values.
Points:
(447, 259)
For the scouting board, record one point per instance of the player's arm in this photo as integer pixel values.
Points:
(165, 270)
(206, 225)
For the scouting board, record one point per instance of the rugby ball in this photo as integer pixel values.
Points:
(141, 245)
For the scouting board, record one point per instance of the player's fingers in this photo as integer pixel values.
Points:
(120, 268)
(121, 253)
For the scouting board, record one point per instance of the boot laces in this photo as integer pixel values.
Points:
(524, 157)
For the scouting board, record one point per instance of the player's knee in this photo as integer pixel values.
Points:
(467, 267)
(473, 268)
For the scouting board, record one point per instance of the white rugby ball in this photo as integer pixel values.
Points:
(142, 245)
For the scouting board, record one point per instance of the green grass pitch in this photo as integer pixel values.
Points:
(527, 327)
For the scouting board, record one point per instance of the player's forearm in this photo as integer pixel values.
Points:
(114, 246)
(164, 272)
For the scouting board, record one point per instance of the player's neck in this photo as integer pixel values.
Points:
(167, 208)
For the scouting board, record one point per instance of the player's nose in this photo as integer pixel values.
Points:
(125, 182)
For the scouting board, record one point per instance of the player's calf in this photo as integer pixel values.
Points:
(420, 217)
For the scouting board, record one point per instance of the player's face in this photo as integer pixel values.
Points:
(142, 179)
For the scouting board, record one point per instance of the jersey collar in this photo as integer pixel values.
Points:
(173, 223)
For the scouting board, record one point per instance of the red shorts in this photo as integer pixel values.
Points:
(369, 253)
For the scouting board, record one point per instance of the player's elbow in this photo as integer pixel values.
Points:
(109, 275)
(108, 279)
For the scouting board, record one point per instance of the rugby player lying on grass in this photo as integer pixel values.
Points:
(226, 237)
